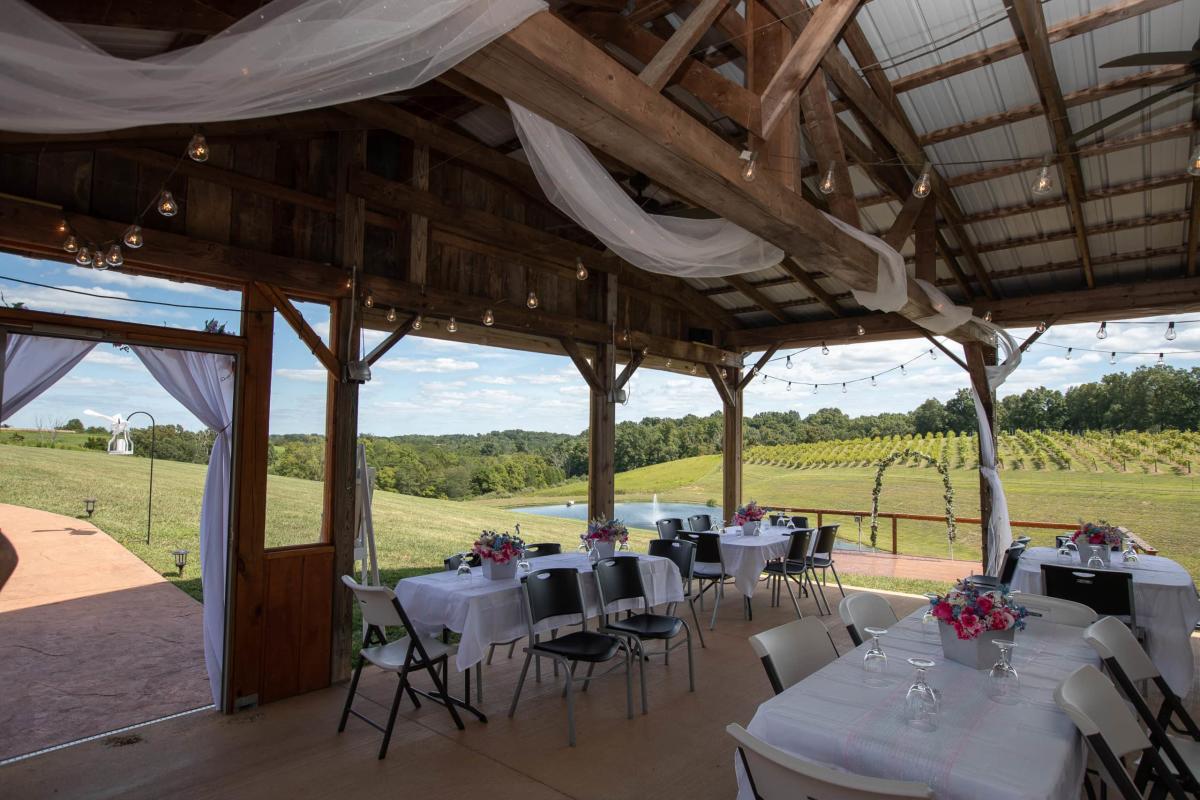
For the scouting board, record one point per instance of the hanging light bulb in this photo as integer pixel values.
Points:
(923, 185)
(764, 377)
(827, 184)
(489, 319)
(531, 302)
(1160, 359)
(1041, 327)
(581, 272)
(789, 386)
(83, 256)
(1112, 357)
(166, 204)
(71, 244)
(724, 374)
(369, 301)
(932, 354)
(416, 326)
(1193, 167)
(843, 388)
(824, 349)
(1069, 351)
(133, 237)
(873, 383)
(391, 315)
(114, 257)
(1043, 183)
(750, 168)
(197, 148)
(62, 227)
(902, 370)
(987, 315)
(668, 363)
(693, 369)
(98, 259)
(860, 330)
(350, 282)
(452, 326)
(788, 363)
(1102, 332)
(1170, 335)
(814, 391)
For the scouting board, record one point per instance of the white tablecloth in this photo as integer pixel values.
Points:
(1163, 595)
(980, 749)
(745, 556)
(484, 611)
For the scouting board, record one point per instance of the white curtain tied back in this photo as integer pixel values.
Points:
(32, 364)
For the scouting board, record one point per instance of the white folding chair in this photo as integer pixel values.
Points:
(776, 775)
(865, 610)
(1056, 609)
(792, 652)
(1114, 736)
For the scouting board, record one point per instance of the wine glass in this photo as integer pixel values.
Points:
(875, 660)
(929, 622)
(1094, 560)
(921, 701)
(523, 565)
(1066, 549)
(1129, 555)
(1003, 682)
(464, 566)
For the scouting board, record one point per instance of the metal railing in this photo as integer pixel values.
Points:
(895, 518)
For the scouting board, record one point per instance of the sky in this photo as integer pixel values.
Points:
(432, 386)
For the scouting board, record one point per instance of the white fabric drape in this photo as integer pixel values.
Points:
(577, 183)
(891, 287)
(290, 55)
(203, 384)
(32, 364)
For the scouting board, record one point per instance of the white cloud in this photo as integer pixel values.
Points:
(542, 380)
(107, 358)
(495, 380)
(318, 375)
(427, 365)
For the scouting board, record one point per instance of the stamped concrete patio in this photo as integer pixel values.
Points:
(93, 639)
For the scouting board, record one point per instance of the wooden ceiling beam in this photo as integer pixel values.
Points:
(812, 287)
(550, 68)
(820, 33)
(905, 221)
(1094, 230)
(759, 297)
(667, 61)
(1030, 26)
(1133, 187)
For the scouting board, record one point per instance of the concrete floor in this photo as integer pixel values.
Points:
(291, 749)
(92, 638)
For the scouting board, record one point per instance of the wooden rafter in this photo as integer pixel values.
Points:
(819, 34)
(1094, 230)
(586, 370)
(926, 244)
(905, 221)
(1030, 26)
(630, 368)
(392, 339)
(810, 284)
(657, 73)
(723, 388)
(1133, 187)
(757, 296)
(1193, 233)
(307, 335)
(763, 360)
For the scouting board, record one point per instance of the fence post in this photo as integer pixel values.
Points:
(895, 523)
(820, 518)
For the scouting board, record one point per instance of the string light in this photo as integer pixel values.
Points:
(166, 204)
(197, 148)
(932, 354)
(133, 237)
(114, 257)
(1043, 183)
(668, 363)
(391, 315)
(789, 362)
(1102, 332)
(489, 319)
(531, 301)
(827, 184)
(1112, 357)
(83, 256)
(873, 383)
(824, 349)
(416, 326)
(62, 227)
(843, 388)
(692, 369)
(923, 185)
(349, 283)
(902, 370)
(581, 272)
(71, 244)
(1193, 167)
(860, 330)
(750, 168)
(98, 259)
(814, 389)
(452, 325)
(987, 315)
(1041, 327)
(765, 378)
(1170, 334)
(1160, 359)
(789, 383)
(1069, 351)
(369, 302)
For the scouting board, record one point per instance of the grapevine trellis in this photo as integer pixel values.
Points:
(942, 469)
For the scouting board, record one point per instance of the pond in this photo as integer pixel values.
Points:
(635, 515)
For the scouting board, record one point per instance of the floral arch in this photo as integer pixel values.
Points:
(943, 470)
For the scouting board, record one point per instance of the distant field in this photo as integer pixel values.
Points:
(1161, 508)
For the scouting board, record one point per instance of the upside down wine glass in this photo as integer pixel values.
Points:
(875, 660)
(523, 565)
(1003, 682)
(921, 702)
(1094, 560)
(929, 622)
(464, 566)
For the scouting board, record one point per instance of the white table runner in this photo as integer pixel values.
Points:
(1164, 596)
(483, 611)
(745, 556)
(980, 749)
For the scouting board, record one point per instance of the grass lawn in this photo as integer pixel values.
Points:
(1162, 508)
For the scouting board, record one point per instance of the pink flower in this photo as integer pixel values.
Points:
(943, 612)
(984, 604)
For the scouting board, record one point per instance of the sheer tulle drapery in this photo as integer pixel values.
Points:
(32, 364)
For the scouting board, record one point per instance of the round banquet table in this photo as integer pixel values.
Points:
(1164, 596)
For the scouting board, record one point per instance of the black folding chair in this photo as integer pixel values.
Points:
(822, 559)
(683, 553)
(667, 528)
(531, 551)
(555, 593)
(382, 610)
(620, 578)
(453, 561)
(700, 522)
(1108, 592)
(793, 567)
(1008, 568)
(709, 570)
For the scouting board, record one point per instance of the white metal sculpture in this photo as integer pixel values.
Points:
(119, 444)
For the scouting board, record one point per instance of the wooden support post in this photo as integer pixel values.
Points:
(307, 335)
(251, 443)
(926, 268)
(341, 436)
(602, 418)
(1193, 228)
(418, 253)
(980, 356)
(729, 386)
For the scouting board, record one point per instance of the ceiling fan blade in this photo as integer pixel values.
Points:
(1079, 136)
(1154, 59)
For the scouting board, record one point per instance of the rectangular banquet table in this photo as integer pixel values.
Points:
(745, 556)
(1164, 597)
(980, 749)
(484, 611)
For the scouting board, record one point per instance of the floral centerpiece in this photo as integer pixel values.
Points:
(498, 552)
(749, 517)
(972, 617)
(1096, 533)
(604, 535)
